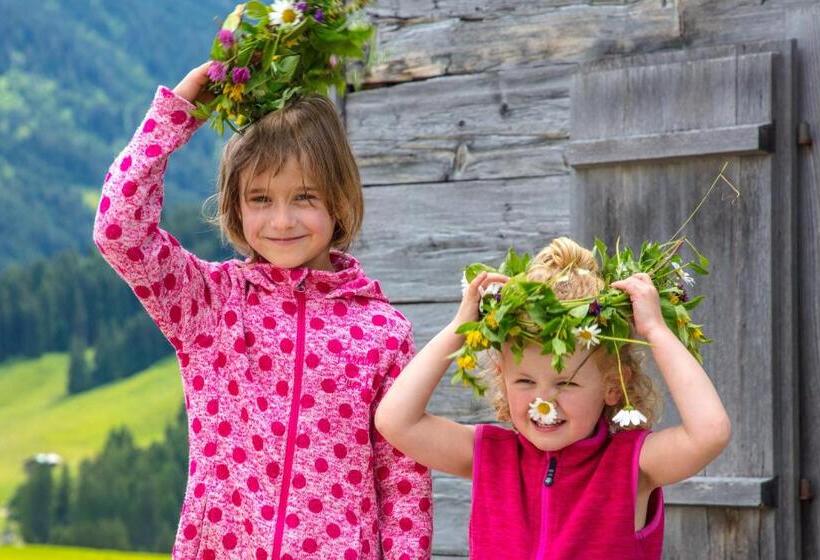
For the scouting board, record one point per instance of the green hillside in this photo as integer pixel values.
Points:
(70, 553)
(75, 79)
(37, 416)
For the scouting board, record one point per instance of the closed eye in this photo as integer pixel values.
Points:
(525, 381)
(567, 384)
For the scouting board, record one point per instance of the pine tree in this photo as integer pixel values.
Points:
(78, 372)
(31, 505)
(62, 505)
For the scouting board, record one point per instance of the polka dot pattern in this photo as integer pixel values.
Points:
(262, 424)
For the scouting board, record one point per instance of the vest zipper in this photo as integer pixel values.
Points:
(543, 534)
(294, 419)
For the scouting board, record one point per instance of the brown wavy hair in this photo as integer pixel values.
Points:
(310, 130)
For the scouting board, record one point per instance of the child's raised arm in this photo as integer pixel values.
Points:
(180, 292)
(673, 454)
(402, 419)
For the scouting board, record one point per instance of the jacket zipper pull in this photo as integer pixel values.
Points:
(550, 478)
(300, 287)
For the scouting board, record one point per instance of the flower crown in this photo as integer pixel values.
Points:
(264, 55)
(527, 312)
(522, 311)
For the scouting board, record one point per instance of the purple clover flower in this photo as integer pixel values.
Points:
(217, 71)
(684, 297)
(241, 75)
(594, 308)
(302, 6)
(319, 15)
(226, 37)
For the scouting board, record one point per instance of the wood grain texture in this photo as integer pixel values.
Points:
(804, 25)
(418, 238)
(435, 46)
(746, 242)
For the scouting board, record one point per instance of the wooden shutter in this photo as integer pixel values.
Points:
(648, 135)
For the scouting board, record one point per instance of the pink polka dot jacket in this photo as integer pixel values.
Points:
(282, 371)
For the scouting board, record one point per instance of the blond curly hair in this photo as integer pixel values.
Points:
(572, 272)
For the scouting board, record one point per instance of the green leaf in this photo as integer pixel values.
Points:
(475, 269)
(288, 66)
(692, 303)
(218, 51)
(267, 55)
(233, 20)
(257, 10)
(559, 347)
(699, 269)
(514, 264)
(580, 311)
(467, 327)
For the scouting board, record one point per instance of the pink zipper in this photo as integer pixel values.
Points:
(543, 533)
(293, 422)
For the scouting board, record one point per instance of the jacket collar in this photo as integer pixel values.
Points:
(575, 453)
(346, 281)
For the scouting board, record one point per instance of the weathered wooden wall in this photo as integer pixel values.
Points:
(462, 133)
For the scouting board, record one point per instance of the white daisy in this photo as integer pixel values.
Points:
(493, 289)
(588, 336)
(543, 412)
(284, 12)
(627, 416)
(684, 275)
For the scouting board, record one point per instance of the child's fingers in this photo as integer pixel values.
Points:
(476, 283)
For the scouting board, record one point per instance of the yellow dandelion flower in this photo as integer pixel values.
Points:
(237, 92)
(466, 362)
(674, 298)
(490, 319)
(476, 340)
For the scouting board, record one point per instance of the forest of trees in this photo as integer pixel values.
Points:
(126, 498)
(69, 303)
(75, 80)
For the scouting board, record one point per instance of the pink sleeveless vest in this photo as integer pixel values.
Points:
(575, 503)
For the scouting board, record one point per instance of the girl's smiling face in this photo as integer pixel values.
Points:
(285, 220)
(579, 391)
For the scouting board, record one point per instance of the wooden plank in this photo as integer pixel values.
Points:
(425, 48)
(745, 240)
(499, 124)
(723, 491)
(418, 238)
(453, 401)
(785, 305)
(670, 94)
(474, 9)
(736, 21)
(700, 532)
(804, 25)
(730, 140)
(451, 517)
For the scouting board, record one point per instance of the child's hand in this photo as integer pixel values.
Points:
(646, 307)
(193, 86)
(468, 310)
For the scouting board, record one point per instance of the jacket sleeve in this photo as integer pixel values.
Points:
(180, 292)
(403, 486)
